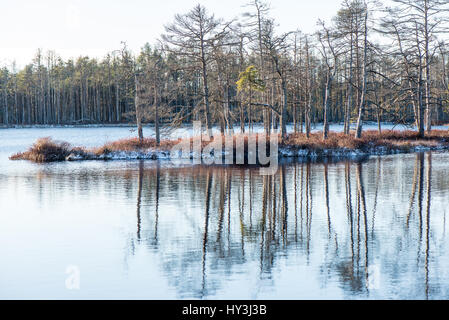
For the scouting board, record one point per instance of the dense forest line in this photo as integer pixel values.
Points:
(370, 62)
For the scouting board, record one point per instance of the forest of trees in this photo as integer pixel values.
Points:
(370, 63)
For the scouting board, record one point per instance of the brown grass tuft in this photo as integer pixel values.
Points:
(316, 142)
(388, 138)
(133, 144)
(44, 150)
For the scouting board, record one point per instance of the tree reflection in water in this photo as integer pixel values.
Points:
(246, 211)
(210, 226)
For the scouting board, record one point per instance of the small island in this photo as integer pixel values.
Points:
(295, 145)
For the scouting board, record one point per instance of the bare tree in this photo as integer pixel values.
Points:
(425, 19)
(257, 20)
(277, 48)
(140, 101)
(361, 109)
(347, 25)
(330, 52)
(195, 34)
(308, 109)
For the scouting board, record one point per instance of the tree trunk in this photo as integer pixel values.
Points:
(156, 117)
(326, 106)
(427, 68)
(138, 105)
(205, 91)
(283, 117)
(358, 133)
(348, 108)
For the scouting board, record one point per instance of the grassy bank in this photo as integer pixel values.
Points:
(48, 150)
(295, 145)
(388, 139)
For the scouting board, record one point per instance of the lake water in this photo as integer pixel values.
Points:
(151, 230)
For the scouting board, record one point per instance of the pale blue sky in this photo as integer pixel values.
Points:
(81, 27)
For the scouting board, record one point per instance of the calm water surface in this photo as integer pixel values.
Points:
(151, 230)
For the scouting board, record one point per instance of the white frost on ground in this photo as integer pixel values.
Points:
(284, 152)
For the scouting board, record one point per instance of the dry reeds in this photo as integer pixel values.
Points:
(44, 150)
(371, 138)
(133, 144)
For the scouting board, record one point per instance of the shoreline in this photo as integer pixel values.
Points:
(315, 126)
(63, 126)
(337, 146)
(283, 154)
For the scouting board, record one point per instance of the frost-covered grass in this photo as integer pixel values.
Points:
(295, 145)
(372, 138)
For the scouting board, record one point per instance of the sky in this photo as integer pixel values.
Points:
(94, 28)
